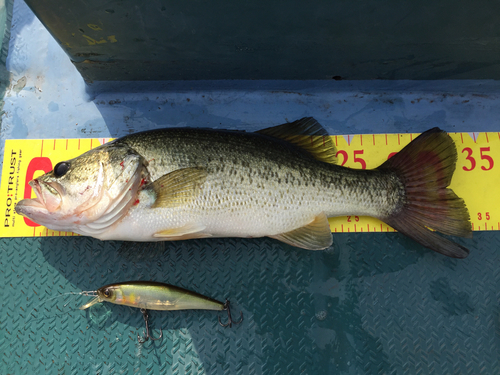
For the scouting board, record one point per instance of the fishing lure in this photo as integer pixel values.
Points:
(150, 295)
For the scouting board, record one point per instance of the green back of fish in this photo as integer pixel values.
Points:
(224, 152)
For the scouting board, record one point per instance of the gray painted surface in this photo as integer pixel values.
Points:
(130, 40)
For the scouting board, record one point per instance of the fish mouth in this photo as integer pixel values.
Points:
(38, 191)
(48, 199)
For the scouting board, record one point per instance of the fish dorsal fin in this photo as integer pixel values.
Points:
(309, 135)
(179, 187)
(314, 236)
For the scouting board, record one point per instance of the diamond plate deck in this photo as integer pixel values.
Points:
(371, 305)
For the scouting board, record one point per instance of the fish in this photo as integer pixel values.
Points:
(281, 182)
(151, 295)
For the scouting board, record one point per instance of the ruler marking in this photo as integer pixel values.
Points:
(386, 139)
(475, 137)
(368, 227)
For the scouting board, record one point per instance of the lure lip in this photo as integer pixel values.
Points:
(91, 303)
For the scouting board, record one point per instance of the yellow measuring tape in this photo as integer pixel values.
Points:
(476, 178)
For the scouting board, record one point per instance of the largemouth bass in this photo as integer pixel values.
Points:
(281, 182)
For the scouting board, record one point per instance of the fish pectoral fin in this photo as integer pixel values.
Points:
(179, 187)
(307, 134)
(314, 236)
(186, 232)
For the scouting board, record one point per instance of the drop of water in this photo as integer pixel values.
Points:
(99, 314)
(321, 315)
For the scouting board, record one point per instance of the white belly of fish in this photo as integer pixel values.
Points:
(143, 223)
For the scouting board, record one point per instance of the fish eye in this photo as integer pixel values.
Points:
(61, 169)
(107, 293)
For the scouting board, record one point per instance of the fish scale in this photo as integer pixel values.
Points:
(296, 175)
(295, 183)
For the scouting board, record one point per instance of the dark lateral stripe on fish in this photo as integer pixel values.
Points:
(426, 167)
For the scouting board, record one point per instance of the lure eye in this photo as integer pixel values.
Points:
(61, 169)
(106, 293)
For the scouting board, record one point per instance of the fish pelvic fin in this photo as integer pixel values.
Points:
(307, 134)
(185, 232)
(425, 167)
(314, 236)
(179, 187)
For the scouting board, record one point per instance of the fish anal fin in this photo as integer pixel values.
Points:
(185, 232)
(308, 135)
(179, 187)
(314, 236)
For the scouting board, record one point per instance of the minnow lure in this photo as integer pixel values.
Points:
(150, 295)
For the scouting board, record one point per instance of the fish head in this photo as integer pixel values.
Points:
(102, 181)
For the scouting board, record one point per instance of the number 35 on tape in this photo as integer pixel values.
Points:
(476, 177)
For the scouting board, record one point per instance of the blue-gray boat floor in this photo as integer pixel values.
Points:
(370, 304)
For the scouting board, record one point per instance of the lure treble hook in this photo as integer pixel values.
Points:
(229, 317)
(146, 336)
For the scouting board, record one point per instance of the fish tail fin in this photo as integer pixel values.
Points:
(426, 166)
